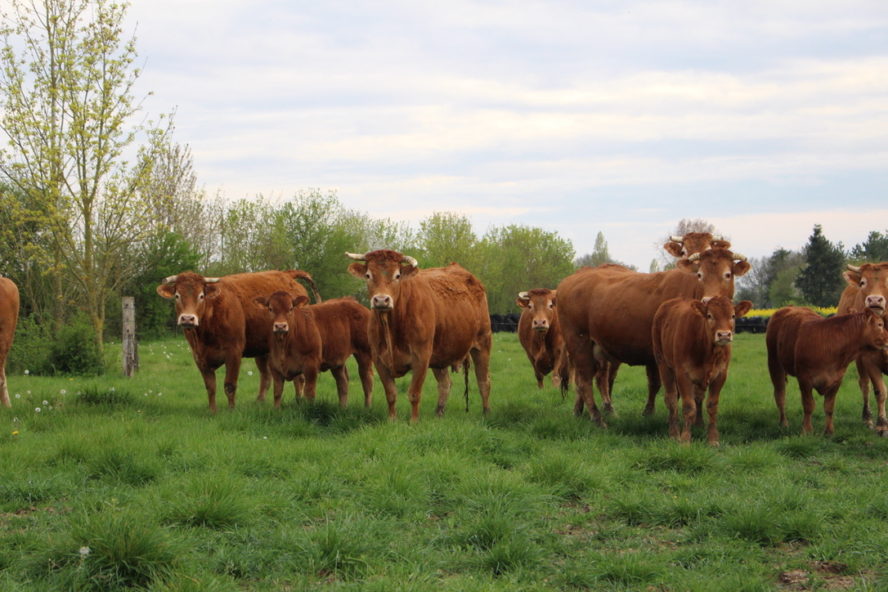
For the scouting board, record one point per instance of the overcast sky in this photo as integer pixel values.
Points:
(762, 117)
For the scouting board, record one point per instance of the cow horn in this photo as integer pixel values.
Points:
(410, 261)
(694, 257)
(523, 296)
(739, 257)
(211, 280)
(717, 237)
(677, 239)
(853, 268)
(171, 279)
(355, 256)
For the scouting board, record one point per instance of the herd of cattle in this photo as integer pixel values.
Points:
(678, 324)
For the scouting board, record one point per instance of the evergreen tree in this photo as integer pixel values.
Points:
(820, 280)
(873, 250)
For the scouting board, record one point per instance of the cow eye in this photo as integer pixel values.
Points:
(700, 275)
(862, 283)
(201, 296)
(397, 275)
(367, 275)
(727, 275)
(551, 305)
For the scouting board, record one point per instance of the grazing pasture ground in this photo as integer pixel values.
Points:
(130, 483)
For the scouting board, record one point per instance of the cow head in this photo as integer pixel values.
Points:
(191, 292)
(719, 314)
(874, 335)
(280, 305)
(716, 269)
(872, 281)
(540, 303)
(682, 247)
(383, 271)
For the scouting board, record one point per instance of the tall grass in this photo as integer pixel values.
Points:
(132, 484)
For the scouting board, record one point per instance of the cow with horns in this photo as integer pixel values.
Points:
(223, 324)
(540, 335)
(9, 309)
(607, 313)
(867, 289)
(424, 318)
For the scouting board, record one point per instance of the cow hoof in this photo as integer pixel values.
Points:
(883, 433)
(647, 411)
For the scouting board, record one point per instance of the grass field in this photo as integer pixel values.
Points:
(118, 483)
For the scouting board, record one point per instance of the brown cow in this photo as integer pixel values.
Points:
(429, 318)
(306, 340)
(817, 352)
(540, 335)
(9, 310)
(222, 322)
(692, 345)
(606, 314)
(867, 289)
(682, 247)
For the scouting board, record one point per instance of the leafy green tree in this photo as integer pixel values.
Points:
(820, 280)
(447, 237)
(66, 80)
(873, 250)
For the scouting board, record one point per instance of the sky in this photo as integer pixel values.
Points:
(763, 118)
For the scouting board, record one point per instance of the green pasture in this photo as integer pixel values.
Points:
(131, 484)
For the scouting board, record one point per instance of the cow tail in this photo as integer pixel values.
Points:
(466, 365)
(306, 277)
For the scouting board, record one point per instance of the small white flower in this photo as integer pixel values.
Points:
(18, 396)
(113, 389)
(63, 392)
(27, 372)
(45, 402)
(265, 437)
(36, 409)
(249, 373)
(84, 551)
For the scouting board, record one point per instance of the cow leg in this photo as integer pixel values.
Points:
(778, 379)
(882, 420)
(365, 371)
(688, 392)
(539, 377)
(414, 391)
(442, 375)
(481, 360)
(604, 382)
(671, 399)
(232, 370)
(829, 404)
(310, 372)
(340, 375)
(871, 372)
(299, 386)
(388, 385)
(863, 380)
(4, 392)
(715, 388)
(264, 378)
(209, 377)
(653, 379)
(278, 386)
(807, 407)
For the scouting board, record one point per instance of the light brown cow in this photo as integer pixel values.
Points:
(429, 318)
(223, 324)
(306, 340)
(682, 247)
(692, 346)
(606, 314)
(868, 289)
(9, 310)
(540, 334)
(817, 352)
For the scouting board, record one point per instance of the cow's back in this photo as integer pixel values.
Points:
(783, 332)
(342, 324)
(9, 309)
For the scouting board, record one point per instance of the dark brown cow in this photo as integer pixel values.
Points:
(692, 346)
(540, 334)
(817, 352)
(682, 247)
(429, 318)
(9, 309)
(222, 322)
(606, 314)
(867, 289)
(306, 340)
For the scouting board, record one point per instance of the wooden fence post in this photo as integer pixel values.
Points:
(130, 347)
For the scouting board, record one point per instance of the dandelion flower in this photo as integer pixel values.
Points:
(27, 372)
(36, 409)
(63, 392)
(15, 432)
(18, 395)
(45, 402)
(84, 551)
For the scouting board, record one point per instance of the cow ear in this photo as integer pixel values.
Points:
(852, 277)
(742, 307)
(674, 249)
(168, 291)
(699, 307)
(740, 268)
(720, 243)
(359, 270)
(300, 301)
(685, 264)
(554, 299)
(261, 301)
(522, 302)
(211, 290)
(408, 270)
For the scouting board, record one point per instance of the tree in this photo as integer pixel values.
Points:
(873, 250)
(66, 79)
(447, 237)
(599, 255)
(820, 280)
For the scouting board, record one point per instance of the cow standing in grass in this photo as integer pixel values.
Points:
(306, 340)
(817, 352)
(692, 346)
(223, 324)
(9, 310)
(540, 335)
(424, 318)
(867, 289)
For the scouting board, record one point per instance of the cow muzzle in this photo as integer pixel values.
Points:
(540, 326)
(382, 302)
(724, 337)
(280, 328)
(876, 303)
(188, 321)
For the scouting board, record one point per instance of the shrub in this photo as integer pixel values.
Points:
(74, 350)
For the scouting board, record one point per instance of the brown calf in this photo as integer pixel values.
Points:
(692, 346)
(540, 335)
(306, 340)
(817, 352)
(9, 309)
